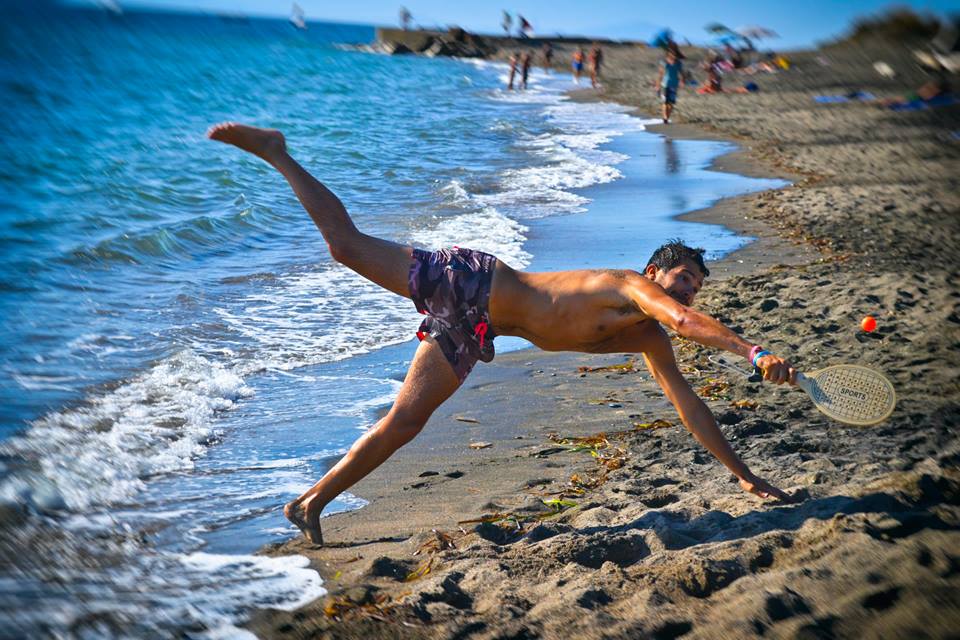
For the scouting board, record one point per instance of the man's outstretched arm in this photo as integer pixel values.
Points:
(701, 328)
(697, 417)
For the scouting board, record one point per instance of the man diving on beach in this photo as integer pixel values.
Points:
(468, 297)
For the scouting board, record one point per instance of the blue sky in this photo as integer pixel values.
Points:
(799, 23)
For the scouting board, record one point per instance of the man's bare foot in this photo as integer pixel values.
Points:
(298, 516)
(264, 143)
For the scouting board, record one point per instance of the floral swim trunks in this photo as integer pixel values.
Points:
(452, 288)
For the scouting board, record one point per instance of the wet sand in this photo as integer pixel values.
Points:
(653, 537)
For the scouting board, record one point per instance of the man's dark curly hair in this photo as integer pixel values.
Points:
(673, 253)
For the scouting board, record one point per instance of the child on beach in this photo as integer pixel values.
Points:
(468, 297)
(670, 80)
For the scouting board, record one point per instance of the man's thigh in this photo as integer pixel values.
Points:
(381, 261)
(429, 382)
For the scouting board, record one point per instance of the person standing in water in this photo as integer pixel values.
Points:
(596, 59)
(514, 62)
(577, 64)
(547, 53)
(525, 63)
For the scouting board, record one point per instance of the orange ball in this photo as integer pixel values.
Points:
(868, 324)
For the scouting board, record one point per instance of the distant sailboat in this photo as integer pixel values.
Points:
(296, 17)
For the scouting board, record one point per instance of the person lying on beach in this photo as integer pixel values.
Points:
(714, 75)
(468, 297)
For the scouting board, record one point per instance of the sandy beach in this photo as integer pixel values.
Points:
(586, 510)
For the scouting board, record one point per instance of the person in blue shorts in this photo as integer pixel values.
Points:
(670, 80)
(578, 57)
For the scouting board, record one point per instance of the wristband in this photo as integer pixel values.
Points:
(759, 355)
(753, 352)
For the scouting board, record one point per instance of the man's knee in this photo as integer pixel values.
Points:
(402, 427)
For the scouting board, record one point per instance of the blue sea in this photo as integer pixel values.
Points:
(179, 355)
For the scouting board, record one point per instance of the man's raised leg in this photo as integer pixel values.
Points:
(429, 382)
(381, 261)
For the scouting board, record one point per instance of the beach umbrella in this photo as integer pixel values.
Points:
(662, 38)
(716, 27)
(757, 33)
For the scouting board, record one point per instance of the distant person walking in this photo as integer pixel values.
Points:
(596, 59)
(670, 80)
(525, 63)
(547, 54)
(514, 62)
(578, 57)
(506, 22)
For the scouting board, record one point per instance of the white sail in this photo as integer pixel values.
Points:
(297, 17)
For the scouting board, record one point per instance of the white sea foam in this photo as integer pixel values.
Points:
(484, 230)
(318, 316)
(154, 594)
(290, 583)
(99, 452)
(362, 408)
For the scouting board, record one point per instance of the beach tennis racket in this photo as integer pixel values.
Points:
(847, 393)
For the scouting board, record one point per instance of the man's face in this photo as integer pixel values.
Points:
(682, 283)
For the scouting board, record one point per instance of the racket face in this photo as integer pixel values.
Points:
(852, 394)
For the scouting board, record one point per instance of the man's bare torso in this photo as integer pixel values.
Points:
(587, 310)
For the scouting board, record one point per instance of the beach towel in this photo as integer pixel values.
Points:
(920, 104)
(860, 96)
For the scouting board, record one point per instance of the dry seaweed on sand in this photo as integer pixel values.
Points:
(714, 389)
(379, 607)
(441, 541)
(425, 567)
(630, 366)
(558, 505)
(659, 423)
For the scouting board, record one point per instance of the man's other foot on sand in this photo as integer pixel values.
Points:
(264, 143)
(298, 516)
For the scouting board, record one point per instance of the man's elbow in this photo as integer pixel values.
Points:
(682, 320)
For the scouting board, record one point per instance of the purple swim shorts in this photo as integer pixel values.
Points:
(452, 288)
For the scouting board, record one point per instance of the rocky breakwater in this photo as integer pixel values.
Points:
(454, 42)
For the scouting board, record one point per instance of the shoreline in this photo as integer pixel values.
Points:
(664, 545)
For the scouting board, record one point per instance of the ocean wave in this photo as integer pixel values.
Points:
(311, 317)
(183, 239)
(483, 230)
(99, 453)
(160, 594)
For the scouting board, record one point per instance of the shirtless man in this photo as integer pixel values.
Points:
(468, 297)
